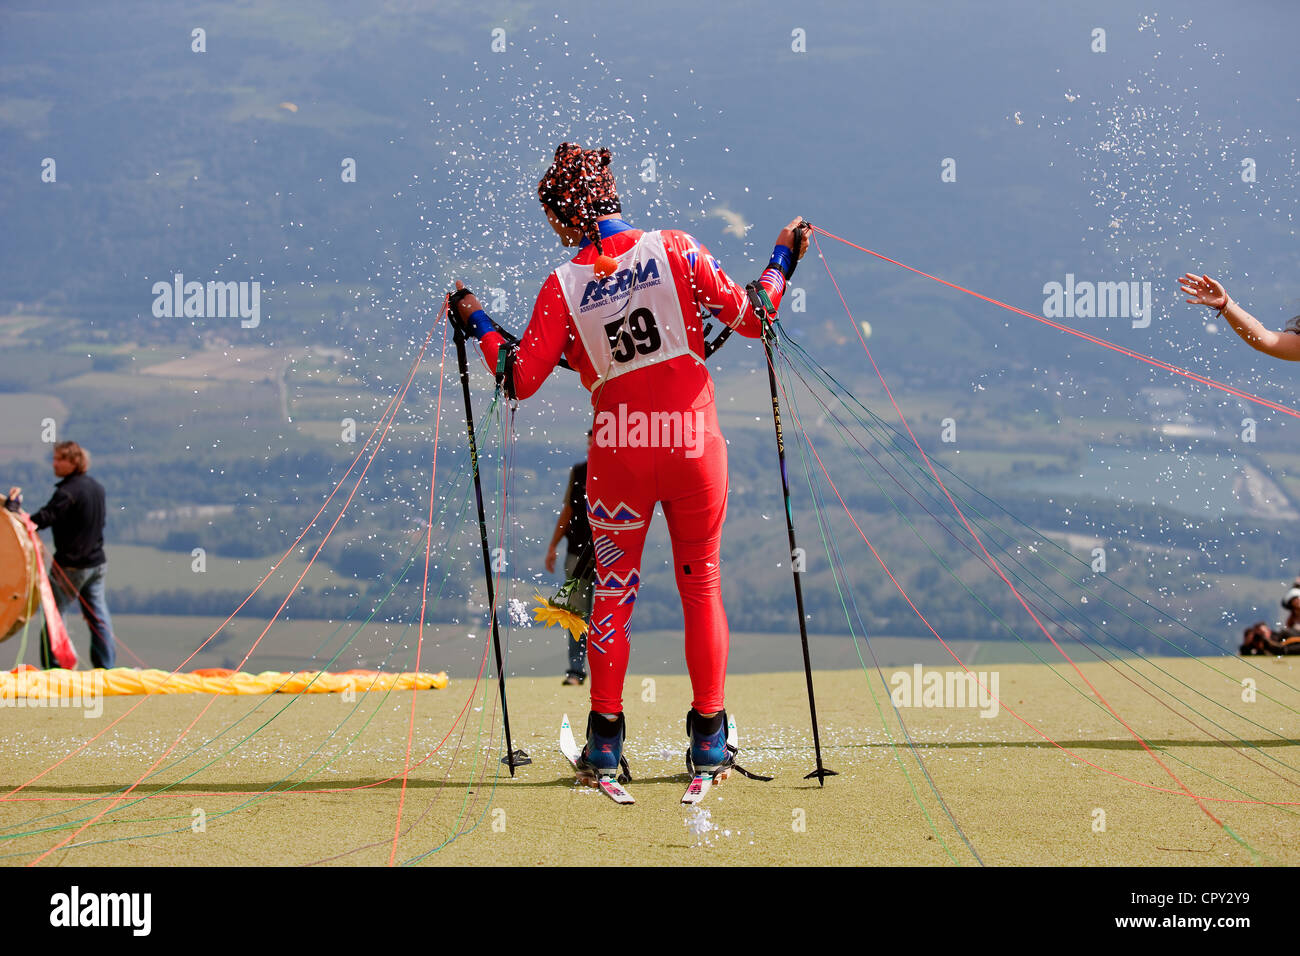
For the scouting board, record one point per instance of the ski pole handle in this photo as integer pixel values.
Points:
(799, 243)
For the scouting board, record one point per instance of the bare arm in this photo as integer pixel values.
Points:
(1202, 290)
(561, 525)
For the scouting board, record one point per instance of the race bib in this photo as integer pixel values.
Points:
(632, 318)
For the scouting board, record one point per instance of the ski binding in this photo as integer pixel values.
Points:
(702, 783)
(607, 783)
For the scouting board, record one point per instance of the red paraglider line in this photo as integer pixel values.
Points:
(1095, 340)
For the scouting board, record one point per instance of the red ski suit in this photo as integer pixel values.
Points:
(636, 339)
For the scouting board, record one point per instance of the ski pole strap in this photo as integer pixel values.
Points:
(453, 309)
(456, 298)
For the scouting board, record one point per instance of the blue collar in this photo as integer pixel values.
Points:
(608, 227)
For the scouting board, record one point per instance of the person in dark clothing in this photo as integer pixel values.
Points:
(574, 527)
(1259, 638)
(75, 513)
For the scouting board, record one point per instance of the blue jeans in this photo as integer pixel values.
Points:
(86, 587)
(582, 598)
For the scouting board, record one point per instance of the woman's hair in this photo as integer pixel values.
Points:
(1293, 326)
(579, 188)
(74, 453)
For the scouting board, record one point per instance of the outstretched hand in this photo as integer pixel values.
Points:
(1202, 290)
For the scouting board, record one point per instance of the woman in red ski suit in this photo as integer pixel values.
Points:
(625, 313)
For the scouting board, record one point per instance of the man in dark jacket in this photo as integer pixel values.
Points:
(75, 512)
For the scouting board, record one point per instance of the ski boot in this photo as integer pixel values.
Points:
(709, 752)
(602, 756)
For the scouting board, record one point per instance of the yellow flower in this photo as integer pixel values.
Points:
(549, 614)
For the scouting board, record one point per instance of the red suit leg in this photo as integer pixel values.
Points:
(620, 503)
(694, 493)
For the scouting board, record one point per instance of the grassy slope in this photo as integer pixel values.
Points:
(1018, 799)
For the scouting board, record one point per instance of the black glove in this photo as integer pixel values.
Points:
(801, 234)
(458, 322)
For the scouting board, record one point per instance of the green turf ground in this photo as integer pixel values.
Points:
(1017, 798)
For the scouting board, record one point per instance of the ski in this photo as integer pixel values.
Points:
(702, 783)
(607, 783)
(611, 788)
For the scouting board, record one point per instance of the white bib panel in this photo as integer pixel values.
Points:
(632, 318)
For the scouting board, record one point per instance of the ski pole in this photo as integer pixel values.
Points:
(513, 758)
(762, 306)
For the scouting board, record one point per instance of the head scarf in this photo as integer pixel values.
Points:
(579, 188)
